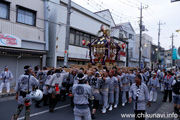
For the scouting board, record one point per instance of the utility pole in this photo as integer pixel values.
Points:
(172, 49)
(140, 44)
(66, 51)
(141, 26)
(159, 32)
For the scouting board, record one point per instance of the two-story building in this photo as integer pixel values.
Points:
(22, 40)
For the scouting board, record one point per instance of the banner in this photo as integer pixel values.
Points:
(175, 55)
(9, 40)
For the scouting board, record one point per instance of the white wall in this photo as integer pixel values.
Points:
(146, 39)
(21, 30)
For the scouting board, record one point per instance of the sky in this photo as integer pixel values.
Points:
(153, 11)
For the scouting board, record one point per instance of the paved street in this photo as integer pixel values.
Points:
(64, 111)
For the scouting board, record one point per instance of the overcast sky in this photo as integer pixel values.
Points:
(127, 11)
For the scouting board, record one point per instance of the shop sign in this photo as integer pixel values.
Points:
(9, 40)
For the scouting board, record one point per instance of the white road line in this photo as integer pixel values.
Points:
(38, 113)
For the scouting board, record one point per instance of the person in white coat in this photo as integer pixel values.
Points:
(24, 85)
(6, 76)
(139, 94)
(153, 86)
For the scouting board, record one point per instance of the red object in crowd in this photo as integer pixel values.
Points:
(57, 88)
(123, 45)
(83, 42)
(70, 94)
(27, 103)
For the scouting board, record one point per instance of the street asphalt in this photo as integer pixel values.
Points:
(64, 111)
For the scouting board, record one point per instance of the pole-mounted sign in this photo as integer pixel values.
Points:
(175, 0)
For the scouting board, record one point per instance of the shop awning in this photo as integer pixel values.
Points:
(21, 50)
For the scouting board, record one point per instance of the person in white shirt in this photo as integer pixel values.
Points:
(6, 76)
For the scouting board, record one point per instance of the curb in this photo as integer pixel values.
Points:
(5, 94)
(2, 95)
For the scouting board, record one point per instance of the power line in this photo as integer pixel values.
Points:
(134, 6)
(101, 7)
(118, 14)
(154, 21)
(118, 18)
(154, 14)
(111, 9)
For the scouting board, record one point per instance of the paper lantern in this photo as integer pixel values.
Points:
(83, 42)
(123, 45)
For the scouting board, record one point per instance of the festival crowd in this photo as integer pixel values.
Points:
(93, 88)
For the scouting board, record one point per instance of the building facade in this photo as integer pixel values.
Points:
(157, 60)
(161, 57)
(145, 50)
(154, 49)
(127, 32)
(168, 58)
(22, 39)
(84, 25)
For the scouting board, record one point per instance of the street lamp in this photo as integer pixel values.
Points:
(156, 49)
